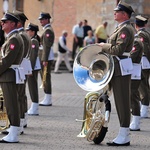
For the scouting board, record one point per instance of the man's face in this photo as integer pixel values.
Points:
(7, 25)
(30, 33)
(84, 23)
(80, 23)
(19, 25)
(43, 22)
(119, 15)
(66, 34)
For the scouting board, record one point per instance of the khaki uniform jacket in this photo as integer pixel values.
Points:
(137, 50)
(47, 40)
(12, 51)
(34, 52)
(27, 42)
(119, 42)
(145, 38)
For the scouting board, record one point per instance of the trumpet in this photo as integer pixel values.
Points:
(92, 71)
(4, 122)
(44, 74)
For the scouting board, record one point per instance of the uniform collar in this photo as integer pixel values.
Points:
(11, 32)
(122, 23)
(142, 28)
(20, 29)
(47, 25)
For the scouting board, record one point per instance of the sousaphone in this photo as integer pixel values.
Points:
(92, 71)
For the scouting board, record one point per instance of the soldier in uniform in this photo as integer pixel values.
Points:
(47, 40)
(12, 54)
(22, 87)
(120, 44)
(144, 89)
(32, 30)
(136, 55)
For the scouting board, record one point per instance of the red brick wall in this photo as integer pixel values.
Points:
(64, 19)
(66, 13)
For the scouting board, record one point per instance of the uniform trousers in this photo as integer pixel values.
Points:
(60, 57)
(9, 90)
(21, 88)
(33, 86)
(135, 97)
(121, 90)
(145, 88)
(76, 45)
(47, 84)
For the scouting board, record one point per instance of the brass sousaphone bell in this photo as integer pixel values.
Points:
(92, 71)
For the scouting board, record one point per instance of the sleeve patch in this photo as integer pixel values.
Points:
(133, 49)
(141, 39)
(123, 36)
(12, 46)
(47, 35)
(33, 46)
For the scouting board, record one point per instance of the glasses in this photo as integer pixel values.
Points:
(5, 21)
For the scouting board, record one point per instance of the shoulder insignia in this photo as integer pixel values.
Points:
(33, 46)
(123, 36)
(142, 39)
(12, 46)
(47, 35)
(133, 49)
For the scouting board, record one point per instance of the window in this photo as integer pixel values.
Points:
(19, 5)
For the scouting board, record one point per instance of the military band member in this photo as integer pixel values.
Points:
(12, 54)
(47, 40)
(120, 43)
(22, 87)
(32, 30)
(144, 89)
(136, 55)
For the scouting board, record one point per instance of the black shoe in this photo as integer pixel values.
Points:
(33, 114)
(70, 71)
(45, 105)
(3, 141)
(115, 144)
(134, 129)
(21, 133)
(57, 72)
(5, 132)
(25, 126)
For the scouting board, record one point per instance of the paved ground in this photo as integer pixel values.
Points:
(56, 129)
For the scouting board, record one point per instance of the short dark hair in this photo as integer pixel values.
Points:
(141, 24)
(85, 20)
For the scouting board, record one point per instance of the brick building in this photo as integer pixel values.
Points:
(66, 13)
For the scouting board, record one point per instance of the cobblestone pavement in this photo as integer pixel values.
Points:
(56, 129)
